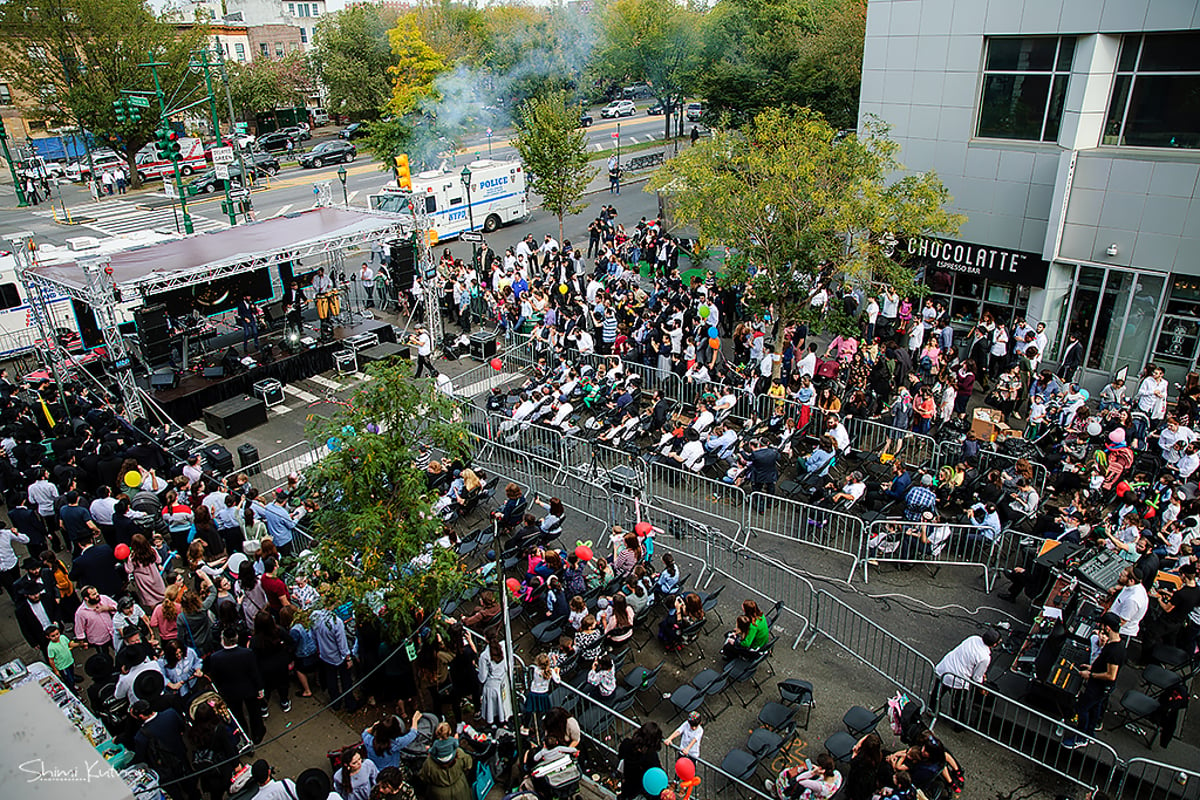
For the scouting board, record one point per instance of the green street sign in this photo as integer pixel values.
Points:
(139, 102)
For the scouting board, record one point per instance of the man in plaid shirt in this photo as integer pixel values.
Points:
(920, 499)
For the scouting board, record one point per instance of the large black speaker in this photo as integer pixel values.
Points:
(150, 318)
(235, 416)
(403, 259)
(274, 312)
(163, 379)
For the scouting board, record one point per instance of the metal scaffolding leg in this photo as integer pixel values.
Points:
(50, 354)
(100, 292)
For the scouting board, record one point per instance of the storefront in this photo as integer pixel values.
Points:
(970, 279)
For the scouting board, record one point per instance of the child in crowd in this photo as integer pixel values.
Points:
(578, 612)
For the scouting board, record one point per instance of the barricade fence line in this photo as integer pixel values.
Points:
(682, 487)
(899, 541)
(1026, 732)
(1186, 781)
(278, 465)
(948, 453)
(535, 440)
(914, 449)
(816, 526)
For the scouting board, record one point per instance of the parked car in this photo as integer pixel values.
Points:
(101, 159)
(207, 181)
(657, 109)
(635, 91)
(276, 140)
(355, 130)
(299, 132)
(618, 108)
(585, 119)
(694, 112)
(261, 161)
(331, 152)
(319, 117)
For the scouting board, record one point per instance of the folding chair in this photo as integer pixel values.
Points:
(796, 693)
(764, 743)
(841, 746)
(709, 602)
(641, 680)
(860, 721)
(1137, 713)
(740, 764)
(690, 636)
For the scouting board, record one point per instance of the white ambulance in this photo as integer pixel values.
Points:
(498, 196)
(151, 165)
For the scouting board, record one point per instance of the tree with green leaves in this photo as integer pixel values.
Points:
(351, 55)
(267, 83)
(374, 525)
(792, 197)
(656, 41)
(415, 65)
(74, 57)
(554, 150)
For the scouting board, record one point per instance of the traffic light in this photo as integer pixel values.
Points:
(403, 176)
(121, 109)
(172, 151)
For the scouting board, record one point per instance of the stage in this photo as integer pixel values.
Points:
(186, 401)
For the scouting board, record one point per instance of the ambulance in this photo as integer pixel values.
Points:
(151, 165)
(498, 196)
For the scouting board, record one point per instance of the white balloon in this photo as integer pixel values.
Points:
(1093, 428)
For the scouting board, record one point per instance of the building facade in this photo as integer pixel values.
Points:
(1068, 133)
(301, 16)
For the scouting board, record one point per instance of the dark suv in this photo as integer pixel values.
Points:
(329, 152)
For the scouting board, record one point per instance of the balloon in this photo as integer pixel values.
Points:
(372, 427)
(348, 430)
(333, 443)
(643, 528)
(685, 769)
(1094, 429)
(562, 288)
(133, 479)
(497, 364)
(583, 553)
(715, 344)
(703, 311)
(654, 781)
(513, 585)
(121, 551)
(713, 333)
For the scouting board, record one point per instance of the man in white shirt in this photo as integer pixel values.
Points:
(721, 441)
(837, 431)
(891, 308)
(1189, 461)
(872, 314)
(1174, 439)
(808, 364)
(269, 789)
(366, 278)
(321, 283)
(968, 662)
(1131, 602)
(691, 455)
(424, 345)
(584, 341)
(704, 418)
(524, 249)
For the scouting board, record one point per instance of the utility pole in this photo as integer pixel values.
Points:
(21, 201)
(188, 227)
(216, 121)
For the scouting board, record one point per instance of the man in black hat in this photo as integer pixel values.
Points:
(160, 743)
(271, 789)
(1099, 679)
(35, 613)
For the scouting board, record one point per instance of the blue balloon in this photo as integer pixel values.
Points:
(713, 333)
(333, 443)
(654, 781)
(348, 430)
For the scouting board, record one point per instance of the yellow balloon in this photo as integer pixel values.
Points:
(562, 288)
(133, 479)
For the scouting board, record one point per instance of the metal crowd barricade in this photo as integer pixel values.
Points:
(1026, 732)
(898, 541)
(278, 465)
(989, 459)
(1147, 779)
(817, 526)
(683, 488)
(875, 646)
(915, 449)
(499, 461)
(539, 442)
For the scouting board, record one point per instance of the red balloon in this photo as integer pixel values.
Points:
(497, 364)
(513, 585)
(583, 553)
(685, 769)
(643, 528)
(121, 551)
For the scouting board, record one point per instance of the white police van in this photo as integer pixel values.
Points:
(498, 196)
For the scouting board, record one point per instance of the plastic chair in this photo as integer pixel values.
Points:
(798, 694)
(1137, 712)
(709, 603)
(740, 764)
(841, 746)
(764, 743)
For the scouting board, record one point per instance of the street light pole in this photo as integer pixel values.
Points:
(12, 168)
(341, 173)
(466, 179)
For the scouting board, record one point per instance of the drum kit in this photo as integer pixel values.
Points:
(329, 308)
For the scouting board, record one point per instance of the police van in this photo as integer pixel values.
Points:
(498, 196)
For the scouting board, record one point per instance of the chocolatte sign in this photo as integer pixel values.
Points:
(993, 263)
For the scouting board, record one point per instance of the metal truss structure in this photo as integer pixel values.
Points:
(105, 292)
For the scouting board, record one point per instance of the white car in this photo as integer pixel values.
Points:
(78, 170)
(694, 112)
(618, 108)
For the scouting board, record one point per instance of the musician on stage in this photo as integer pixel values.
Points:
(322, 283)
(366, 277)
(294, 301)
(247, 314)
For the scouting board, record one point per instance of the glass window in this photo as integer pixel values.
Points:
(292, 9)
(9, 296)
(264, 48)
(279, 49)
(304, 9)
(316, 9)
(1156, 93)
(303, 36)
(240, 50)
(5, 95)
(1024, 87)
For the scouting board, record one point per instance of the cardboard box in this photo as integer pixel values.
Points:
(984, 423)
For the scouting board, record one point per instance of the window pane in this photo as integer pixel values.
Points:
(1021, 54)
(1054, 113)
(1164, 111)
(1129, 51)
(1066, 52)
(1171, 52)
(1116, 109)
(1013, 106)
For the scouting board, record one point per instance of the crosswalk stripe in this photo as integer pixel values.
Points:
(599, 147)
(328, 384)
(350, 197)
(284, 209)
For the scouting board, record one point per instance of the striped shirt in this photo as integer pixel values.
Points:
(609, 333)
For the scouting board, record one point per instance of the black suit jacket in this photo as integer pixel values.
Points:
(234, 671)
(97, 566)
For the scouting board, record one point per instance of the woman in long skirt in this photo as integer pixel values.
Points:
(495, 702)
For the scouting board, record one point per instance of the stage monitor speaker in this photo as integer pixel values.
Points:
(163, 379)
(248, 458)
(403, 259)
(217, 371)
(218, 459)
(235, 416)
(274, 312)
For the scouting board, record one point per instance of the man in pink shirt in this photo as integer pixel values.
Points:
(94, 619)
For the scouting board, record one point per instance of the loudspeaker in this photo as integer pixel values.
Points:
(218, 460)
(150, 319)
(483, 345)
(214, 372)
(235, 416)
(286, 273)
(403, 259)
(274, 312)
(163, 379)
(231, 361)
(248, 458)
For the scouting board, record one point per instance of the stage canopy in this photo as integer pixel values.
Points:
(169, 265)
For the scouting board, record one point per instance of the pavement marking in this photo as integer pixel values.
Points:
(279, 409)
(284, 209)
(300, 394)
(328, 384)
(350, 197)
(599, 147)
(112, 217)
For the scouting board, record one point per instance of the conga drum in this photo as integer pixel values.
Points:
(323, 306)
(335, 303)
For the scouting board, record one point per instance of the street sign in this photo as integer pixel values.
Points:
(222, 155)
(616, 135)
(170, 189)
(472, 236)
(239, 194)
(138, 102)
(222, 171)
